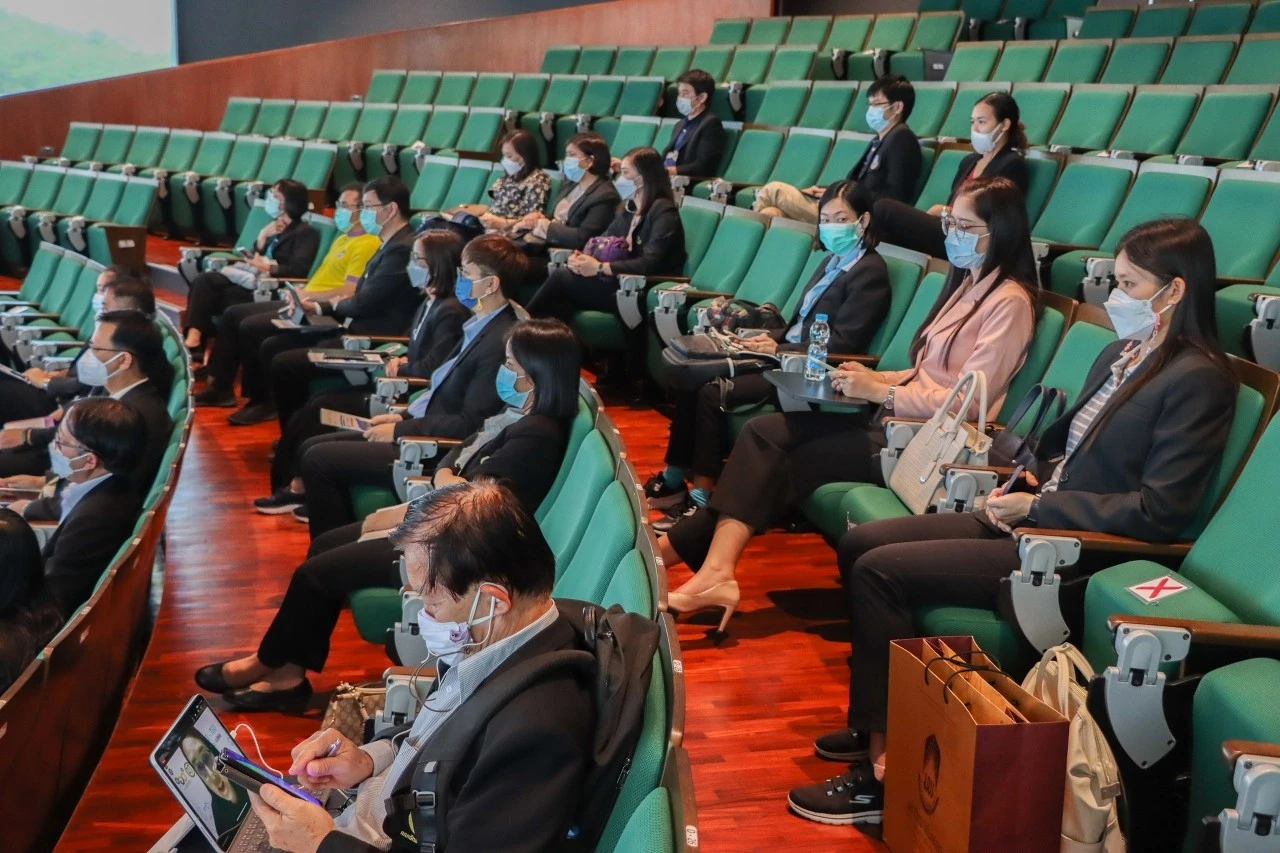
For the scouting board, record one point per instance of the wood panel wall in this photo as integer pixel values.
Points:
(193, 96)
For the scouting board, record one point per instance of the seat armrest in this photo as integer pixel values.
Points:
(838, 358)
(426, 439)
(284, 280)
(44, 330)
(1256, 637)
(386, 339)
(1091, 541)
(414, 381)
(1233, 749)
(999, 470)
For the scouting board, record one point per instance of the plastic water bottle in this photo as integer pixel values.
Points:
(819, 334)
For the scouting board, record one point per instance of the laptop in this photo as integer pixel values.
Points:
(186, 759)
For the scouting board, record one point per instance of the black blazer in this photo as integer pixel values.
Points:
(657, 246)
(587, 217)
(703, 147)
(892, 170)
(525, 457)
(1144, 472)
(68, 387)
(1007, 163)
(83, 545)
(468, 395)
(527, 766)
(440, 333)
(293, 249)
(856, 303)
(384, 300)
(24, 632)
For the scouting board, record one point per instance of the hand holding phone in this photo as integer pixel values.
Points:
(251, 777)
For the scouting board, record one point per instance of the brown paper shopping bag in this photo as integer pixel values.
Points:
(974, 762)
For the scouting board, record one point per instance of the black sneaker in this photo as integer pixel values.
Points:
(853, 798)
(301, 515)
(674, 516)
(281, 502)
(252, 413)
(221, 398)
(662, 496)
(846, 745)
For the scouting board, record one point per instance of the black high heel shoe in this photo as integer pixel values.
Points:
(290, 700)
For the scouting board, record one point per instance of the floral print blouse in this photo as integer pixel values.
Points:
(512, 199)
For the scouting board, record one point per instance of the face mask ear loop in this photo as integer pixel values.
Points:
(262, 761)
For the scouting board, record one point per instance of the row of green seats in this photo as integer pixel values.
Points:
(87, 211)
(54, 303)
(197, 259)
(1176, 19)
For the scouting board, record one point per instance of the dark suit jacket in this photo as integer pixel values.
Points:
(587, 217)
(525, 457)
(893, 171)
(83, 545)
(294, 250)
(468, 395)
(703, 147)
(856, 303)
(1007, 163)
(67, 387)
(1144, 472)
(384, 300)
(657, 246)
(518, 788)
(439, 334)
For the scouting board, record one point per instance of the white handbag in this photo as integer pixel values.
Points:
(944, 439)
(1089, 820)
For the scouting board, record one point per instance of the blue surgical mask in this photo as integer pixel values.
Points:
(99, 302)
(839, 238)
(462, 289)
(511, 167)
(876, 120)
(59, 464)
(684, 106)
(572, 169)
(418, 275)
(369, 222)
(962, 250)
(626, 187)
(342, 220)
(271, 205)
(506, 384)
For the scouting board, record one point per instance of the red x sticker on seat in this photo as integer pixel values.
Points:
(1153, 590)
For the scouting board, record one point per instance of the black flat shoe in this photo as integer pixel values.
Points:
(293, 700)
(210, 678)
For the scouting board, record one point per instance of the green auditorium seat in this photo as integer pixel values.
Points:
(273, 117)
(1042, 173)
(583, 423)
(1266, 18)
(372, 127)
(845, 153)
(1078, 61)
(610, 534)
(937, 5)
(434, 177)
(39, 194)
(935, 31)
(932, 102)
(239, 115)
(1059, 20)
(670, 61)
(1267, 146)
(1040, 105)
(455, 88)
(640, 97)
(973, 61)
(809, 29)
(1084, 202)
(1137, 62)
(782, 104)
(1161, 19)
(80, 142)
(959, 123)
(39, 276)
(481, 132)
(937, 188)
(1226, 123)
(978, 14)
(827, 105)
(595, 59)
(1156, 120)
(1219, 19)
(1090, 118)
(783, 253)
(315, 165)
(849, 32)
(633, 61)
(560, 59)
(396, 154)
(306, 120)
(420, 87)
(791, 62)
(13, 181)
(1244, 242)
(51, 278)
(70, 200)
(768, 31)
(278, 162)
(634, 132)
(339, 121)
(749, 66)
(1023, 62)
(211, 157)
(469, 183)
(1013, 19)
(889, 34)
(753, 158)
(667, 126)
(1106, 23)
(566, 520)
(714, 59)
(144, 151)
(1257, 62)
(600, 96)
(1199, 60)
(100, 206)
(526, 92)
(729, 31)
(112, 146)
(443, 127)
(490, 90)
(127, 229)
(384, 86)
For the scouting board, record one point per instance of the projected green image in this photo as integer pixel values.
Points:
(58, 42)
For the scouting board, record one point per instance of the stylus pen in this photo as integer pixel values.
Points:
(333, 749)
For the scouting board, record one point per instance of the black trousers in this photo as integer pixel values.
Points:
(903, 225)
(24, 460)
(700, 429)
(290, 372)
(212, 293)
(565, 293)
(306, 424)
(778, 460)
(224, 358)
(331, 465)
(336, 566)
(19, 401)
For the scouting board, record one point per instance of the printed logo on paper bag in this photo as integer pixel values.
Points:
(1153, 591)
(929, 772)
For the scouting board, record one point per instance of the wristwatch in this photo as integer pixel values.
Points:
(1033, 511)
(888, 398)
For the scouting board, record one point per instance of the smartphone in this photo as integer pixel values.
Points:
(250, 776)
(245, 253)
(1013, 478)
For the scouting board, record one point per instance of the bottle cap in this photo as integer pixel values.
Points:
(820, 318)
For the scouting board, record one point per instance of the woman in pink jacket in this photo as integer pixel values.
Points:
(983, 320)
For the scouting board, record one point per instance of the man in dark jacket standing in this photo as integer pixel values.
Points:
(697, 142)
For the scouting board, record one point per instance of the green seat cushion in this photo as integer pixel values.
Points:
(366, 500)
(600, 331)
(871, 503)
(375, 610)
(822, 507)
(993, 634)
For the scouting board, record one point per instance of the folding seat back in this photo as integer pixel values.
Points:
(481, 132)
(1042, 172)
(490, 90)
(136, 202)
(845, 153)
(754, 156)
(670, 61)
(714, 59)
(73, 192)
(526, 92)
(1091, 116)
(1106, 23)
(634, 132)
(279, 161)
(375, 121)
(827, 105)
(595, 59)
(79, 303)
(891, 32)
(273, 117)
(433, 182)
(641, 786)
(1243, 242)
(1023, 62)
(729, 31)
(600, 95)
(937, 5)
(42, 188)
(104, 198)
(559, 59)
(768, 31)
(1040, 105)
(469, 183)
(700, 221)
(1226, 123)
(749, 66)
(816, 258)
(1137, 62)
(114, 143)
(1078, 62)
(932, 102)
(1199, 60)
(566, 520)
(1067, 221)
(848, 32)
(782, 104)
(959, 121)
(81, 141)
(973, 61)
(981, 11)
(791, 62)
(1160, 191)
(809, 29)
(783, 252)
(315, 165)
(239, 115)
(582, 423)
(420, 87)
(384, 86)
(408, 125)
(935, 31)
(211, 157)
(1257, 62)
(731, 252)
(1219, 19)
(340, 121)
(633, 61)
(937, 189)
(1161, 19)
(1266, 18)
(444, 126)
(455, 88)
(306, 119)
(909, 302)
(610, 534)
(44, 265)
(13, 181)
(629, 588)
(63, 282)
(1267, 146)
(1156, 120)
(563, 94)
(639, 97)
(246, 158)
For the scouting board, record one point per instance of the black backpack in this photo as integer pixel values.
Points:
(615, 654)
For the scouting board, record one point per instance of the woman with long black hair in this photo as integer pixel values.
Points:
(29, 617)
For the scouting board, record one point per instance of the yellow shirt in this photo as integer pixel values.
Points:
(346, 257)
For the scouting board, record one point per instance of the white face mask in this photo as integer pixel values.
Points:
(511, 167)
(1133, 319)
(984, 143)
(99, 302)
(60, 464)
(92, 371)
(448, 640)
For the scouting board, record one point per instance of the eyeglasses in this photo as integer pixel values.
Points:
(882, 104)
(950, 223)
(374, 206)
